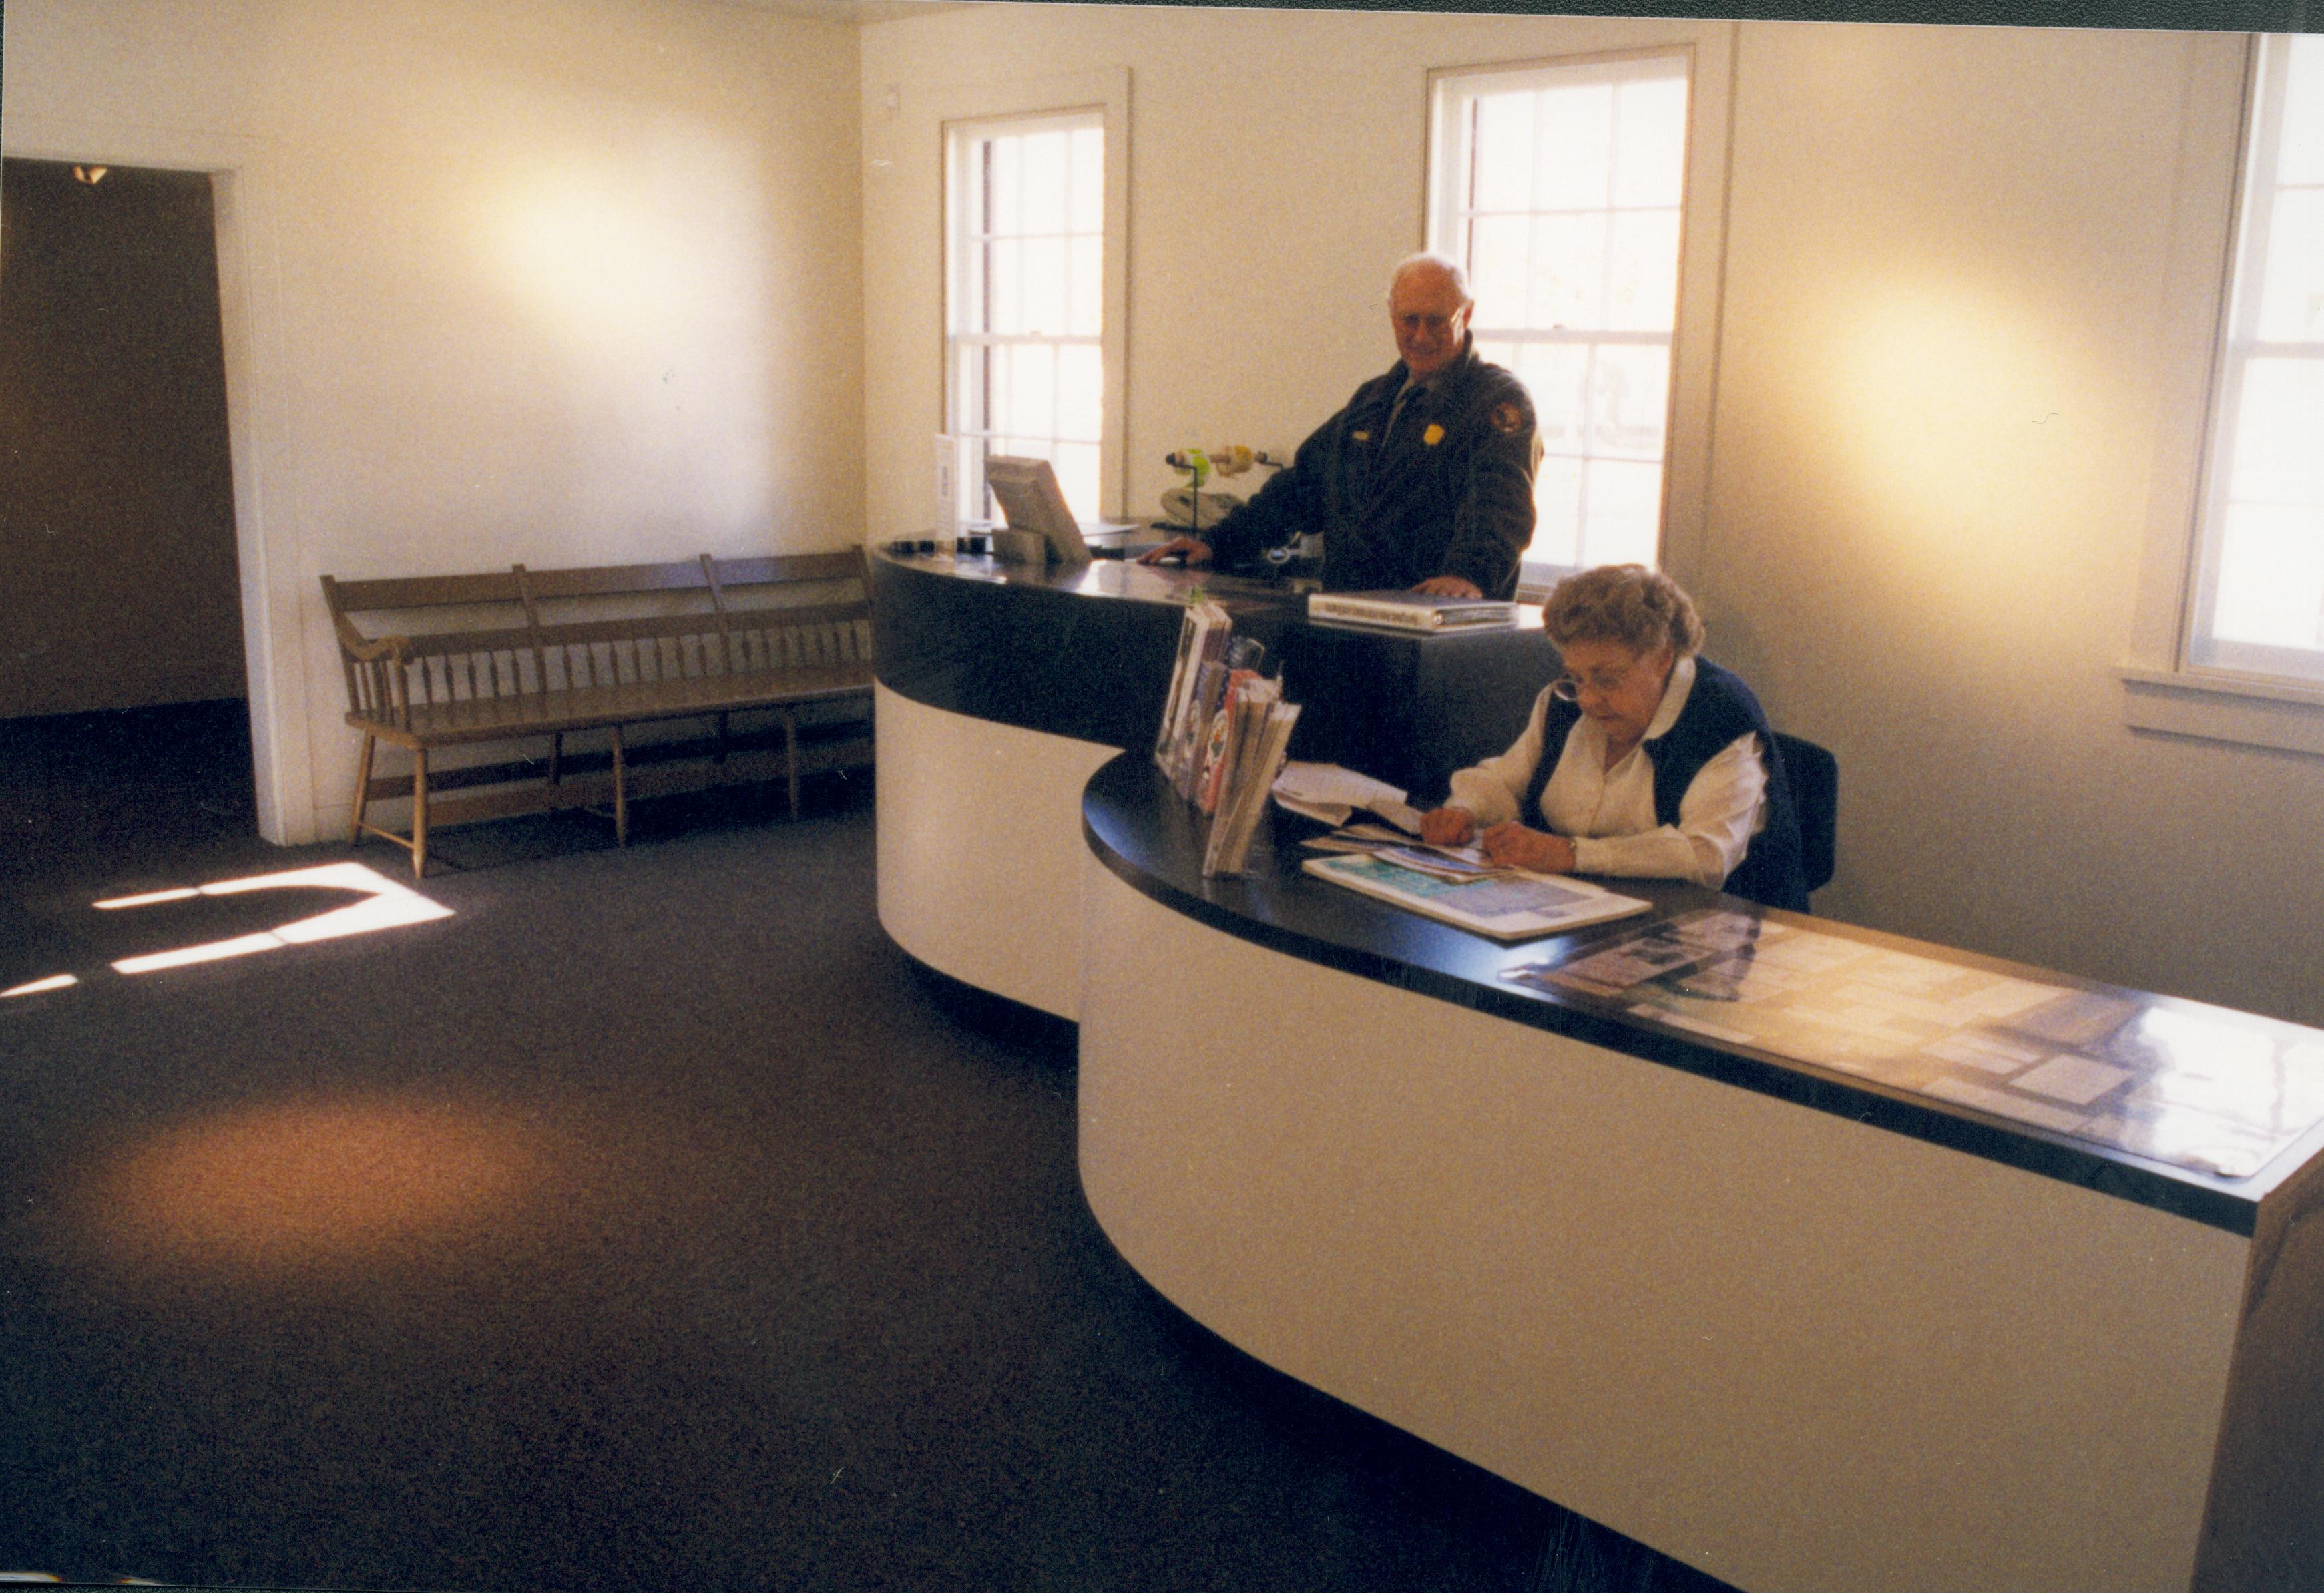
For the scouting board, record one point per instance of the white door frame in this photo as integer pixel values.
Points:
(275, 604)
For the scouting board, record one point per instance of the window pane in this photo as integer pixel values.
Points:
(1081, 391)
(2261, 605)
(1044, 287)
(1076, 464)
(969, 314)
(1497, 278)
(1593, 157)
(1003, 213)
(1573, 149)
(1504, 152)
(1629, 400)
(2279, 421)
(2302, 158)
(1005, 297)
(1028, 243)
(1557, 513)
(999, 391)
(1087, 319)
(1650, 143)
(1625, 510)
(1045, 182)
(1087, 214)
(2291, 295)
(1642, 271)
(1032, 408)
(2271, 578)
(1569, 272)
(970, 413)
(1557, 375)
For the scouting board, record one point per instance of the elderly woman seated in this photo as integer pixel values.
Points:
(1642, 758)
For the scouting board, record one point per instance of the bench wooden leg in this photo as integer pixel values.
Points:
(419, 813)
(791, 755)
(362, 790)
(621, 795)
(556, 757)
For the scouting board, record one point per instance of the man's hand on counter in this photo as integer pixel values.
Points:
(1449, 586)
(1190, 550)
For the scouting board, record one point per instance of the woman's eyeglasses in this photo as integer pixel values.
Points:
(1565, 688)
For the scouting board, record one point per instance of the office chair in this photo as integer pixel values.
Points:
(1815, 793)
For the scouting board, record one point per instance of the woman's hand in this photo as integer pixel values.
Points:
(1513, 846)
(1448, 826)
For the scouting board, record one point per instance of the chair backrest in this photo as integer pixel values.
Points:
(1815, 793)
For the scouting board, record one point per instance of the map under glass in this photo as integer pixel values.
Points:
(2203, 1088)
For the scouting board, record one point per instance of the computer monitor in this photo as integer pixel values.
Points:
(1031, 501)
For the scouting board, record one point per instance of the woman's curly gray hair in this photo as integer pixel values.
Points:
(1629, 603)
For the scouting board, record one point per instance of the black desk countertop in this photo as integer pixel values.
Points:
(2166, 1051)
(1088, 654)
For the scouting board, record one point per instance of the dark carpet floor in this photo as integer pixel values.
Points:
(649, 1222)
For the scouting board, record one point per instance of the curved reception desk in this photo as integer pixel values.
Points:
(1002, 688)
(1817, 1258)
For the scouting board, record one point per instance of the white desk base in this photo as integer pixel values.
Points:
(1802, 1354)
(980, 848)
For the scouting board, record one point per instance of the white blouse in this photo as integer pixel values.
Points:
(1609, 813)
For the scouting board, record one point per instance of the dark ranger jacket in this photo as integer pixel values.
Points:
(1449, 494)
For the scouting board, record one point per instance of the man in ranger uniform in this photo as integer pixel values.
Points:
(1424, 481)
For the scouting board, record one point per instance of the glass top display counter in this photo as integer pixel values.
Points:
(1814, 1256)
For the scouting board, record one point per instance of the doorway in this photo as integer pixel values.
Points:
(120, 591)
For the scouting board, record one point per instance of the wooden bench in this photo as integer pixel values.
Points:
(548, 653)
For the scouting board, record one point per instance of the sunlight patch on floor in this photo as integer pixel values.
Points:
(62, 981)
(297, 1186)
(385, 904)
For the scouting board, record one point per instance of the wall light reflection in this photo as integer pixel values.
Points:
(1948, 389)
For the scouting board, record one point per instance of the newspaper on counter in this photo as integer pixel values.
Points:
(1332, 794)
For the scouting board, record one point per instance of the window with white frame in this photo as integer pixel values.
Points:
(1025, 301)
(2258, 602)
(1560, 188)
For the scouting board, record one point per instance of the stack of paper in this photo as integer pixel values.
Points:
(1331, 795)
(1412, 611)
(1257, 732)
(1201, 641)
(1224, 729)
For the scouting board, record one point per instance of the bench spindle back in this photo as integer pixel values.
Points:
(529, 654)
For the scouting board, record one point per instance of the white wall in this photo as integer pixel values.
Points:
(561, 281)
(1941, 388)
(1275, 176)
(1941, 374)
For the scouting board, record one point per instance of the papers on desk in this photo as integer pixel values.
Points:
(1224, 729)
(1412, 611)
(1331, 795)
(1504, 903)
(1248, 739)
(1178, 742)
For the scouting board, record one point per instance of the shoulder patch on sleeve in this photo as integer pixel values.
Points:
(1507, 419)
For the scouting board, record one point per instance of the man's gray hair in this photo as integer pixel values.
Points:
(1433, 260)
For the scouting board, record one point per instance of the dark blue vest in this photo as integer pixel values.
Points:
(1719, 709)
